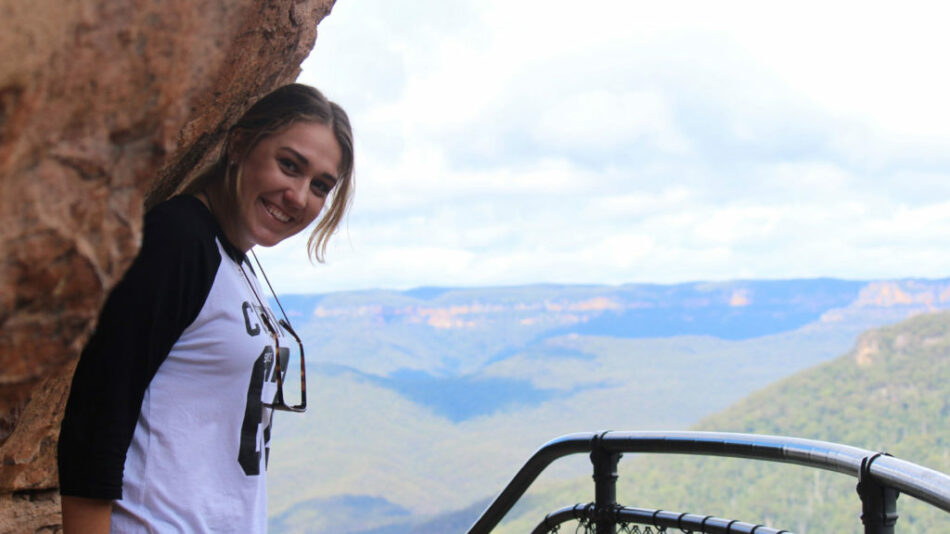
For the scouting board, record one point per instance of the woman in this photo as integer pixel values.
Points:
(168, 420)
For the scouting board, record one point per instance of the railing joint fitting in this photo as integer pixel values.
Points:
(878, 502)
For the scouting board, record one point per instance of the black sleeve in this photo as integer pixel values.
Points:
(146, 313)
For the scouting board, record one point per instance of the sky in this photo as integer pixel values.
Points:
(508, 142)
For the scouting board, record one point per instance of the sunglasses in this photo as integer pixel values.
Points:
(298, 398)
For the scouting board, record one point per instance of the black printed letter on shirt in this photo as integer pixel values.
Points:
(249, 456)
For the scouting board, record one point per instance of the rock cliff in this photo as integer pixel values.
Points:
(104, 107)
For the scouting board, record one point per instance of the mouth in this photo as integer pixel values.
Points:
(276, 212)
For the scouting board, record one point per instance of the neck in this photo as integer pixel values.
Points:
(219, 204)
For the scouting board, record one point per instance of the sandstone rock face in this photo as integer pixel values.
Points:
(103, 104)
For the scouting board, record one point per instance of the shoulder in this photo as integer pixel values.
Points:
(184, 223)
(179, 236)
(183, 216)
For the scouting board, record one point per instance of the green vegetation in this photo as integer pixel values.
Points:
(424, 402)
(363, 439)
(889, 393)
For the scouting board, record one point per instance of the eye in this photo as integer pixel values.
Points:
(289, 165)
(320, 188)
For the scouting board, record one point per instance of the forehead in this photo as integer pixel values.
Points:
(314, 141)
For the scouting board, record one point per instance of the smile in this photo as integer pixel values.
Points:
(276, 212)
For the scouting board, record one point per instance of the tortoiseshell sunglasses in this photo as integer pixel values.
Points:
(279, 400)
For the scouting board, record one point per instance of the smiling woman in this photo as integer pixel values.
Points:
(168, 422)
(285, 181)
(289, 154)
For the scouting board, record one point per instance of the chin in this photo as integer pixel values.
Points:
(271, 240)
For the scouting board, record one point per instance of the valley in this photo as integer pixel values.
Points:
(427, 401)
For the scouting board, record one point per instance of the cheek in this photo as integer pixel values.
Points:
(313, 211)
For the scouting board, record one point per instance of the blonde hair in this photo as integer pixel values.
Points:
(271, 114)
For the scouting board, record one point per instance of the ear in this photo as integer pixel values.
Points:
(237, 145)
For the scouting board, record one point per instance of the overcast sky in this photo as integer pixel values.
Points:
(503, 142)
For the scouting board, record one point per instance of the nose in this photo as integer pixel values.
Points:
(298, 194)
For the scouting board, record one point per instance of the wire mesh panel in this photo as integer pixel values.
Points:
(643, 521)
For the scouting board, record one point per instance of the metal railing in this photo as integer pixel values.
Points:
(881, 477)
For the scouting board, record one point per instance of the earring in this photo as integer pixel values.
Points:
(233, 163)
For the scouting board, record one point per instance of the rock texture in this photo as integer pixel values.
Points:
(102, 105)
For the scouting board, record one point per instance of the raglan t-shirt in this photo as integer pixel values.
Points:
(166, 413)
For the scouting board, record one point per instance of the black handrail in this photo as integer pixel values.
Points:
(874, 470)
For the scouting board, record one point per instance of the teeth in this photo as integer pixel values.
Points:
(279, 215)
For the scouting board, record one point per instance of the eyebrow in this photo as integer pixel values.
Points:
(333, 179)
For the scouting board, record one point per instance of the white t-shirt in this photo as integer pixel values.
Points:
(167, 409)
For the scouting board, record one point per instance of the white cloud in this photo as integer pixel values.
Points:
(637, 204)
(505, 142)
(602, 122)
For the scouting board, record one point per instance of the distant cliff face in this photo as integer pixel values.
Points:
(101, 105)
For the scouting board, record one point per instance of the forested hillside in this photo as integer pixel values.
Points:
(424, 402)
(889, 393)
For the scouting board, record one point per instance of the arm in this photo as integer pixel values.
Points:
(81, 515)
(141, 320)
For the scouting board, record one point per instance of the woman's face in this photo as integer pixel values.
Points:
(285, 181)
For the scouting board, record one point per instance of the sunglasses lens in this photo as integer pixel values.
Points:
(290, 364)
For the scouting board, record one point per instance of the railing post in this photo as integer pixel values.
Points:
(878, 502)
(605, 485)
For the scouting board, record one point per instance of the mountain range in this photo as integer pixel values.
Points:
(425, 402)
(888, 393)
